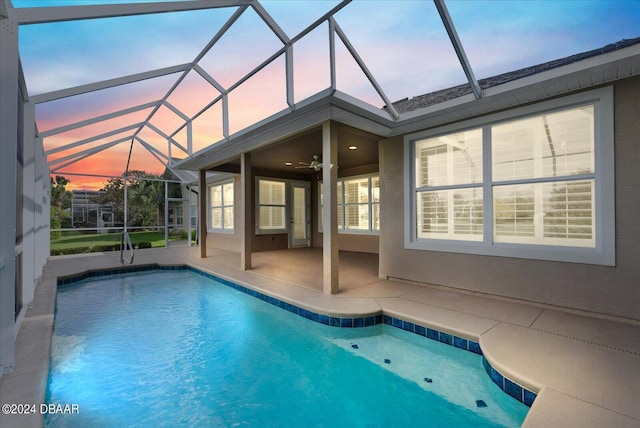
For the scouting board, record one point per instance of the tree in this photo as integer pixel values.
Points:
(145, 198)
(112, 195)
(59, 215)
(60, 196)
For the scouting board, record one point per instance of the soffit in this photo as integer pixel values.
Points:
(304, 146)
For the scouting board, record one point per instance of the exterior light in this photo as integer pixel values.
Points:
(288, 163)
(353, 147)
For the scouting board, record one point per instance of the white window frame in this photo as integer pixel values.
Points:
(604, 200)
(178, 215)
(259, 229)
(193, 215)
(451, 186)
(342, 204)
(222, 229)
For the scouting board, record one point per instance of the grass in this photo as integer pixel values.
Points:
(74, 239)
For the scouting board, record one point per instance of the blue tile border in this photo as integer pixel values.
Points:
(508, 386)
(123, 270)
(518, 392)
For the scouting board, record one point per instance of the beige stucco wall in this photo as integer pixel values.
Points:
(352, 242)
(359, 243)
(223, 241)
(612, 291)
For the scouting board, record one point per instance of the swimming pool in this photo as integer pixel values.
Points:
(176, 348)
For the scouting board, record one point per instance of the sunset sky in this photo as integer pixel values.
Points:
(403, 43)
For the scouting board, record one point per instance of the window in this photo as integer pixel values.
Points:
(537, 159)
(194, 215)
(358, 204)
(375, 203)
(449, 186)
(271, 205)
(179, 215)
(536, 182)
(221, 212)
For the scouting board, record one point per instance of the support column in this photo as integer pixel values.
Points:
(330, 208)
(166, 214)
(246, 218)
(188, 189)
(202, 213)
(8, 160)
(190, 138)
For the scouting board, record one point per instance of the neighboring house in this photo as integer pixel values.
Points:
(85, 212)
(183, 200)
(528, 192)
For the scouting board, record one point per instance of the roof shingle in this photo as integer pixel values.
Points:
(432, 98)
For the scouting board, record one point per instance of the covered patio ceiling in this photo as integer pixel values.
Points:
(165, 82)
(356, 149)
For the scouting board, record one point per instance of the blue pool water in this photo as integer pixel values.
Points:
(174, 348)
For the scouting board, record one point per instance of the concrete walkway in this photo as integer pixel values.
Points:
(586, 370)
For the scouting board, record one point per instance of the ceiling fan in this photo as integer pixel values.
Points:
(315, 164)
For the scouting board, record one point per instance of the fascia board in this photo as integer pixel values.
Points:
(307, 114)
(533, 88)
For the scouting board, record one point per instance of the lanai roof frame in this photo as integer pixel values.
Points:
(37, 15)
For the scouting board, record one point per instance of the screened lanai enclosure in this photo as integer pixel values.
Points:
(120, 118)
(102, 118)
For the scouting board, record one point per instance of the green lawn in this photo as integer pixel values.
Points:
(82, 241)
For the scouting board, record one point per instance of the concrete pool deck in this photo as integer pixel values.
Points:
(585, 369)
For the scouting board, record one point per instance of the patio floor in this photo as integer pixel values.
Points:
(585, 368)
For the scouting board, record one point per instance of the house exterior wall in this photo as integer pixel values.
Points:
(232, 241)
(24, 225)
(346, 242)
(223, 241)
(279, 241)
(613, 291)
(9, 103)
(359, 243)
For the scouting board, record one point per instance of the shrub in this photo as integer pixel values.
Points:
(58, 219)
(54, 223)
(105, 247)
(143, 244)
(65, 251)
(84, 249)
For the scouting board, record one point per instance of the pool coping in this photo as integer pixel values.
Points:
(508, 385)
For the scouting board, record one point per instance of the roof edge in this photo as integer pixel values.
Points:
(436, 97)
